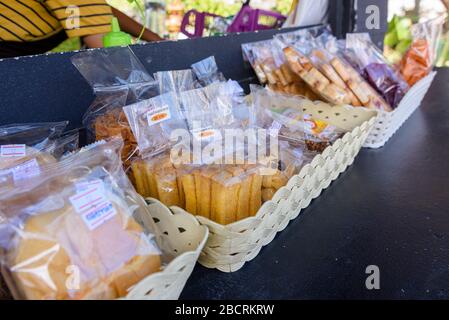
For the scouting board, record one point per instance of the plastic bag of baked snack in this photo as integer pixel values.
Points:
(175, 81)
(26, 147)
(118, 79)
(420, 58)
(260, 56)
(153, 120)
(303, 66)
(301, 37)
(327, 55)
(72, 232)
(288, 161)
(206, 72)
(279, 113)
(156, 177)
(376, 69)
(319, 134)
(210, 109)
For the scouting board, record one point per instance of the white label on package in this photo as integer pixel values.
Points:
(13, 150)
(26, 170)
(158, 115)
(94, 207)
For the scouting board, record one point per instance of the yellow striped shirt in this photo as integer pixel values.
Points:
(31, 20)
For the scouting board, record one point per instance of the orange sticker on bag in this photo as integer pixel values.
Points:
(158, 115)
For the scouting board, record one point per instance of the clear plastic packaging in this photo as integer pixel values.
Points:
(206, 72)
(117, 78)
(320, 134)
(210, 109)
(376, 69)
(281, 114)
(288, 163)
(175, 81)
(71, 233)
(301, 37)
(153, 120)
(24, 148)
(360, 92)
(421, 57)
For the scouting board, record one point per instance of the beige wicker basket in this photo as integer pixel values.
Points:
(181, 235)
(389, 122)
(230, 246)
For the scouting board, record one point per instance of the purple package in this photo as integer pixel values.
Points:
(375, 68)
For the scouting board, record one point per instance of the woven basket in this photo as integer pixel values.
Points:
(179, 234)
(389, 122)
(230, 246)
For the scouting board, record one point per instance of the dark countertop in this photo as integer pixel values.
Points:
(390, 209)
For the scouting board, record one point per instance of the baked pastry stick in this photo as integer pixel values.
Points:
(268, 194)
(255, 197)
(167, 187)
(188, 185)
(243, 198)
(225, 190)
(203, 189)
(140, 178)
(150, 185)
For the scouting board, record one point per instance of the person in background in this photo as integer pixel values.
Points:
(36, 26)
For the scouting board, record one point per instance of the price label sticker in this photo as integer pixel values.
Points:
(12, 150)
(26, 170)
(92, 204)
(158, 115)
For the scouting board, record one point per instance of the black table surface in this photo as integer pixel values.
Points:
(389, 209)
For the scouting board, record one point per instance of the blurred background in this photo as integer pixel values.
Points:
(165, 17)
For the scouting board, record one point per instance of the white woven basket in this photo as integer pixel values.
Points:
(389, 122)
(230, 246)
(181, 235)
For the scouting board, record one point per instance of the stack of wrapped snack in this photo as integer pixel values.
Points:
(201, 171)
(343, 72)
(271, 68)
